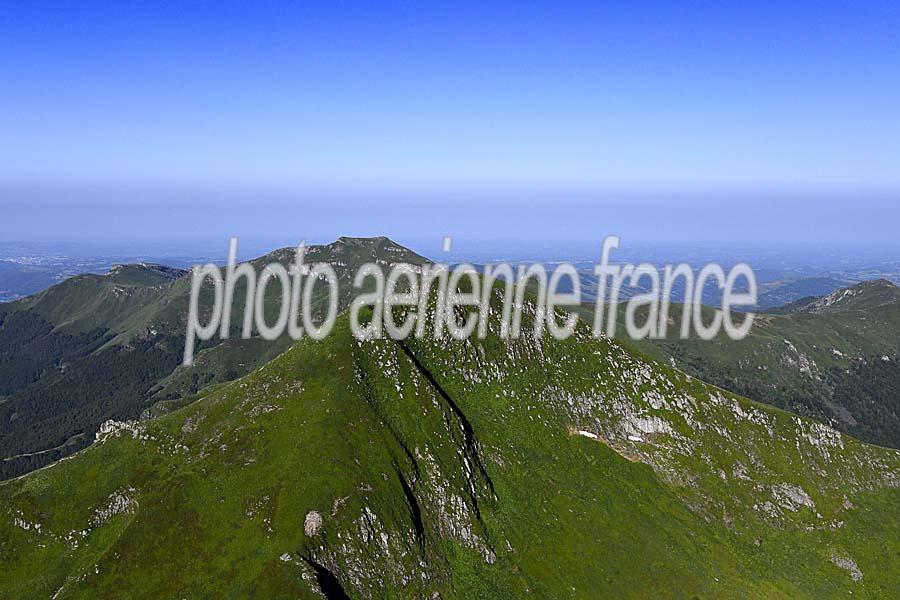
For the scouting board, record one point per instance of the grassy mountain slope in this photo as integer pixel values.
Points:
(113, 302)
(772, 294)
(440, 468)
(98, 347)
(833, 358)
(862, 296)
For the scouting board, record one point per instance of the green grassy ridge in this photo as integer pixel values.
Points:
(114, 302)
(799, 361)
(221, 360)
(780, 292)
(110, 346)
(132, 299)
(478, 437)
(865, 295)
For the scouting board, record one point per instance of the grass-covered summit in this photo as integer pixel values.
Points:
(99, 347)
(459, 469)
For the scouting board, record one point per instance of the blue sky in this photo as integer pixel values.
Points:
(107, 111)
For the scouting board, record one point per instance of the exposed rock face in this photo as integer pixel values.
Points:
(119, 503)
(312, 524)
(792, 497)
(796, 359)
(845, 562)
(113, 427)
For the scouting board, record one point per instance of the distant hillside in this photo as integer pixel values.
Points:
(835, 358)
(459, 469)
(784, 291)
(862, 296)
(98, 347)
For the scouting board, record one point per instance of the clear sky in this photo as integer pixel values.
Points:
(125, 117)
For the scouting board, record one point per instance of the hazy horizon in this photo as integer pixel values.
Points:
(752, 123)
(107, 214)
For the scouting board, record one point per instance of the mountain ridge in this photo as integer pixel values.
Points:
(835, 358)
(860, 296)
(456, 468)
(99, 347)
